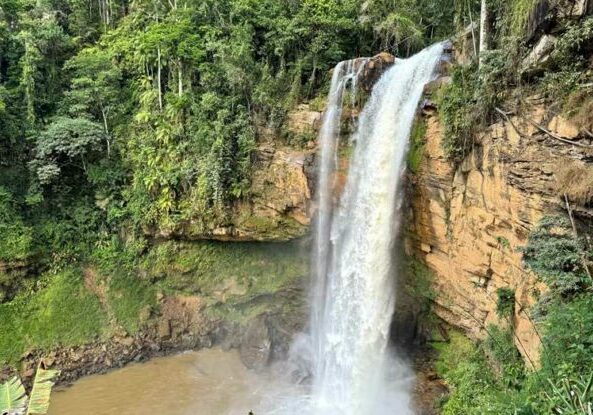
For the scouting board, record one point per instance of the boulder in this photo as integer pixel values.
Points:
(303, 120)
(256, 345)
(373, 68)
(540, 55)
(563, 127)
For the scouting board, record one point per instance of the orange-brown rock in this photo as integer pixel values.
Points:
(374, 68)
(467, 222)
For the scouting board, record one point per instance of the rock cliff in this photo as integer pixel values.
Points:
(467, 222)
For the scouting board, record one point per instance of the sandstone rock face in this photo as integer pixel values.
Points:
(374, 68)
(467, 222)
(277, 208)
(303, 120)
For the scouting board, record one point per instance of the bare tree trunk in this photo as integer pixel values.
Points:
(484, 29)
(108, 139)
(159, 78)
(180, 76)
(472, 26)
(576, 237)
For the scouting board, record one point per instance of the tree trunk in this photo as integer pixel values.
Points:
(180, 76)
(484, 29)
(108, 139)
(159, 78)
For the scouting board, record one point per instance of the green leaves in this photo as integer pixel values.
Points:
(66, 142)
(40, 394)
(13, 399)
(571, 397)
(555, 254)
(15, 236)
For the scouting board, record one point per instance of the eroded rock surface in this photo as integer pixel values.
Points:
(468, 222)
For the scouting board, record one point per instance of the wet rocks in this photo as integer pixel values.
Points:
(256, 345)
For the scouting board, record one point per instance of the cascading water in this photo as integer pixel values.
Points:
(354, 287)
(345, 74)
(353, 293)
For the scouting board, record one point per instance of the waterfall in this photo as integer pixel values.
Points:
(346, 353)
(354, 288)
(345, 74)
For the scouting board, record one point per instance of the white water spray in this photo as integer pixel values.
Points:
(345, 74)
(353, 293)
(355, 288)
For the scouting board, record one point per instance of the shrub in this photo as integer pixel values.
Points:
(505, 306)
(467, 103)
(474, 387)
(556, 256)
(504, 357)
(456, 109)
(15, 237)
(568, 338)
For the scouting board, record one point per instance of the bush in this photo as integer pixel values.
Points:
(457, 105)
(15, 237)
(568, 338)
(474, 387)
(556, 256)
(505, 306)
(504, 357)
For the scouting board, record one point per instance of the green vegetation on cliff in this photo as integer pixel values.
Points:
(490, 378)
(151, 111)
(507, 73)
(117, 290)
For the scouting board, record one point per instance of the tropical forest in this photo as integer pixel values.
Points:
(282, 207)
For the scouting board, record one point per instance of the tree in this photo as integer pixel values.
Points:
(95, 88)
(67, 143)
(484, 28)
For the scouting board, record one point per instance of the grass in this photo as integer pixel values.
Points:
(417, 144)
(237, 281)
(129, 298)
(575, 180)
(63, 313)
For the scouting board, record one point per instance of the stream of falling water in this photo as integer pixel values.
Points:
(354, 289)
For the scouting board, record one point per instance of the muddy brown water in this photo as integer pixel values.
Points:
(208, 382)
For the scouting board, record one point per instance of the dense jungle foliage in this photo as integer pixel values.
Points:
(144, 114)
(121, 117)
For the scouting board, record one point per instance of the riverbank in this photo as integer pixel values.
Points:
(175, 296)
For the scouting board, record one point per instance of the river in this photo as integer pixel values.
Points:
(208, 382)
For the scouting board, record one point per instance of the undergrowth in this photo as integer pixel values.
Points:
(60, 312)
(489, 377)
